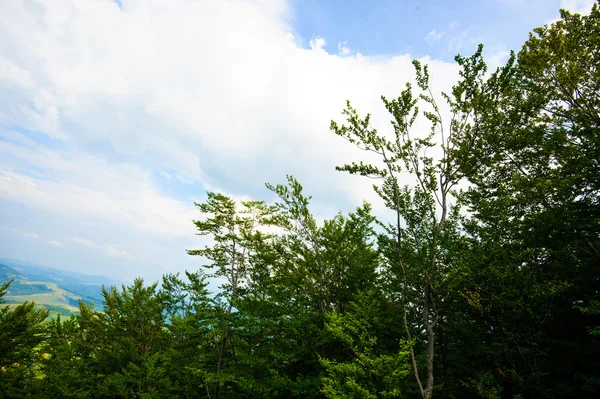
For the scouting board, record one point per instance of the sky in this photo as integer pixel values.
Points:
(116, 116)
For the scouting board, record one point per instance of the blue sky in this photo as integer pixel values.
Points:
(115, 118)
(388, 27)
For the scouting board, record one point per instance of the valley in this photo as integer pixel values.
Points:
(56, 290)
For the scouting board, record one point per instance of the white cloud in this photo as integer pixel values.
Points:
(11, 74)
(343, 48)
(317, 43)
(185, 84)
(577, 6)
(83, 241)
(19, 233)
(117, 253)
(106, 248)
(55, 243)
(218, 94)
(459, 40)
(497, 59)
(434, 37)
(121, 193)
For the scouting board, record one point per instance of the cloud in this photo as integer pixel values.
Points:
(108, 249)
(577, 6)
(162, 87)
(343, 49)
(215, 95)
(434, 37)
(19, 233)
(497, 59)
(458, 41)
(83, 241)
(317, 43)
(582, 7)
(56, 244)
(121, 192)
(457, 37)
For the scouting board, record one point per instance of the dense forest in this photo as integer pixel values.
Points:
(484, 281)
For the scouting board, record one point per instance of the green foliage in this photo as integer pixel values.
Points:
(53, 310)
(373, 370)
(531, 158)
(21, 332)
(417, 245)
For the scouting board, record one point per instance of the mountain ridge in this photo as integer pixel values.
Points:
(57, 290)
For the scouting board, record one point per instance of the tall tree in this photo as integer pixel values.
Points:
(319, 271)
(532, 160)
(417, 241)
(233, 228)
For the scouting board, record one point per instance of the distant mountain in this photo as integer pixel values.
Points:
(57, 290)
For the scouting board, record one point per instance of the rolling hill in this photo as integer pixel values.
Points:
(57, 290)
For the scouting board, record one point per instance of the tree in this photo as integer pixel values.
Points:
(66, 368)
(192, 322)
(233, 229)
(416, 243)
(121, 352)
(320, 272)
(532, 160)
(21, 334)
(376, 368)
